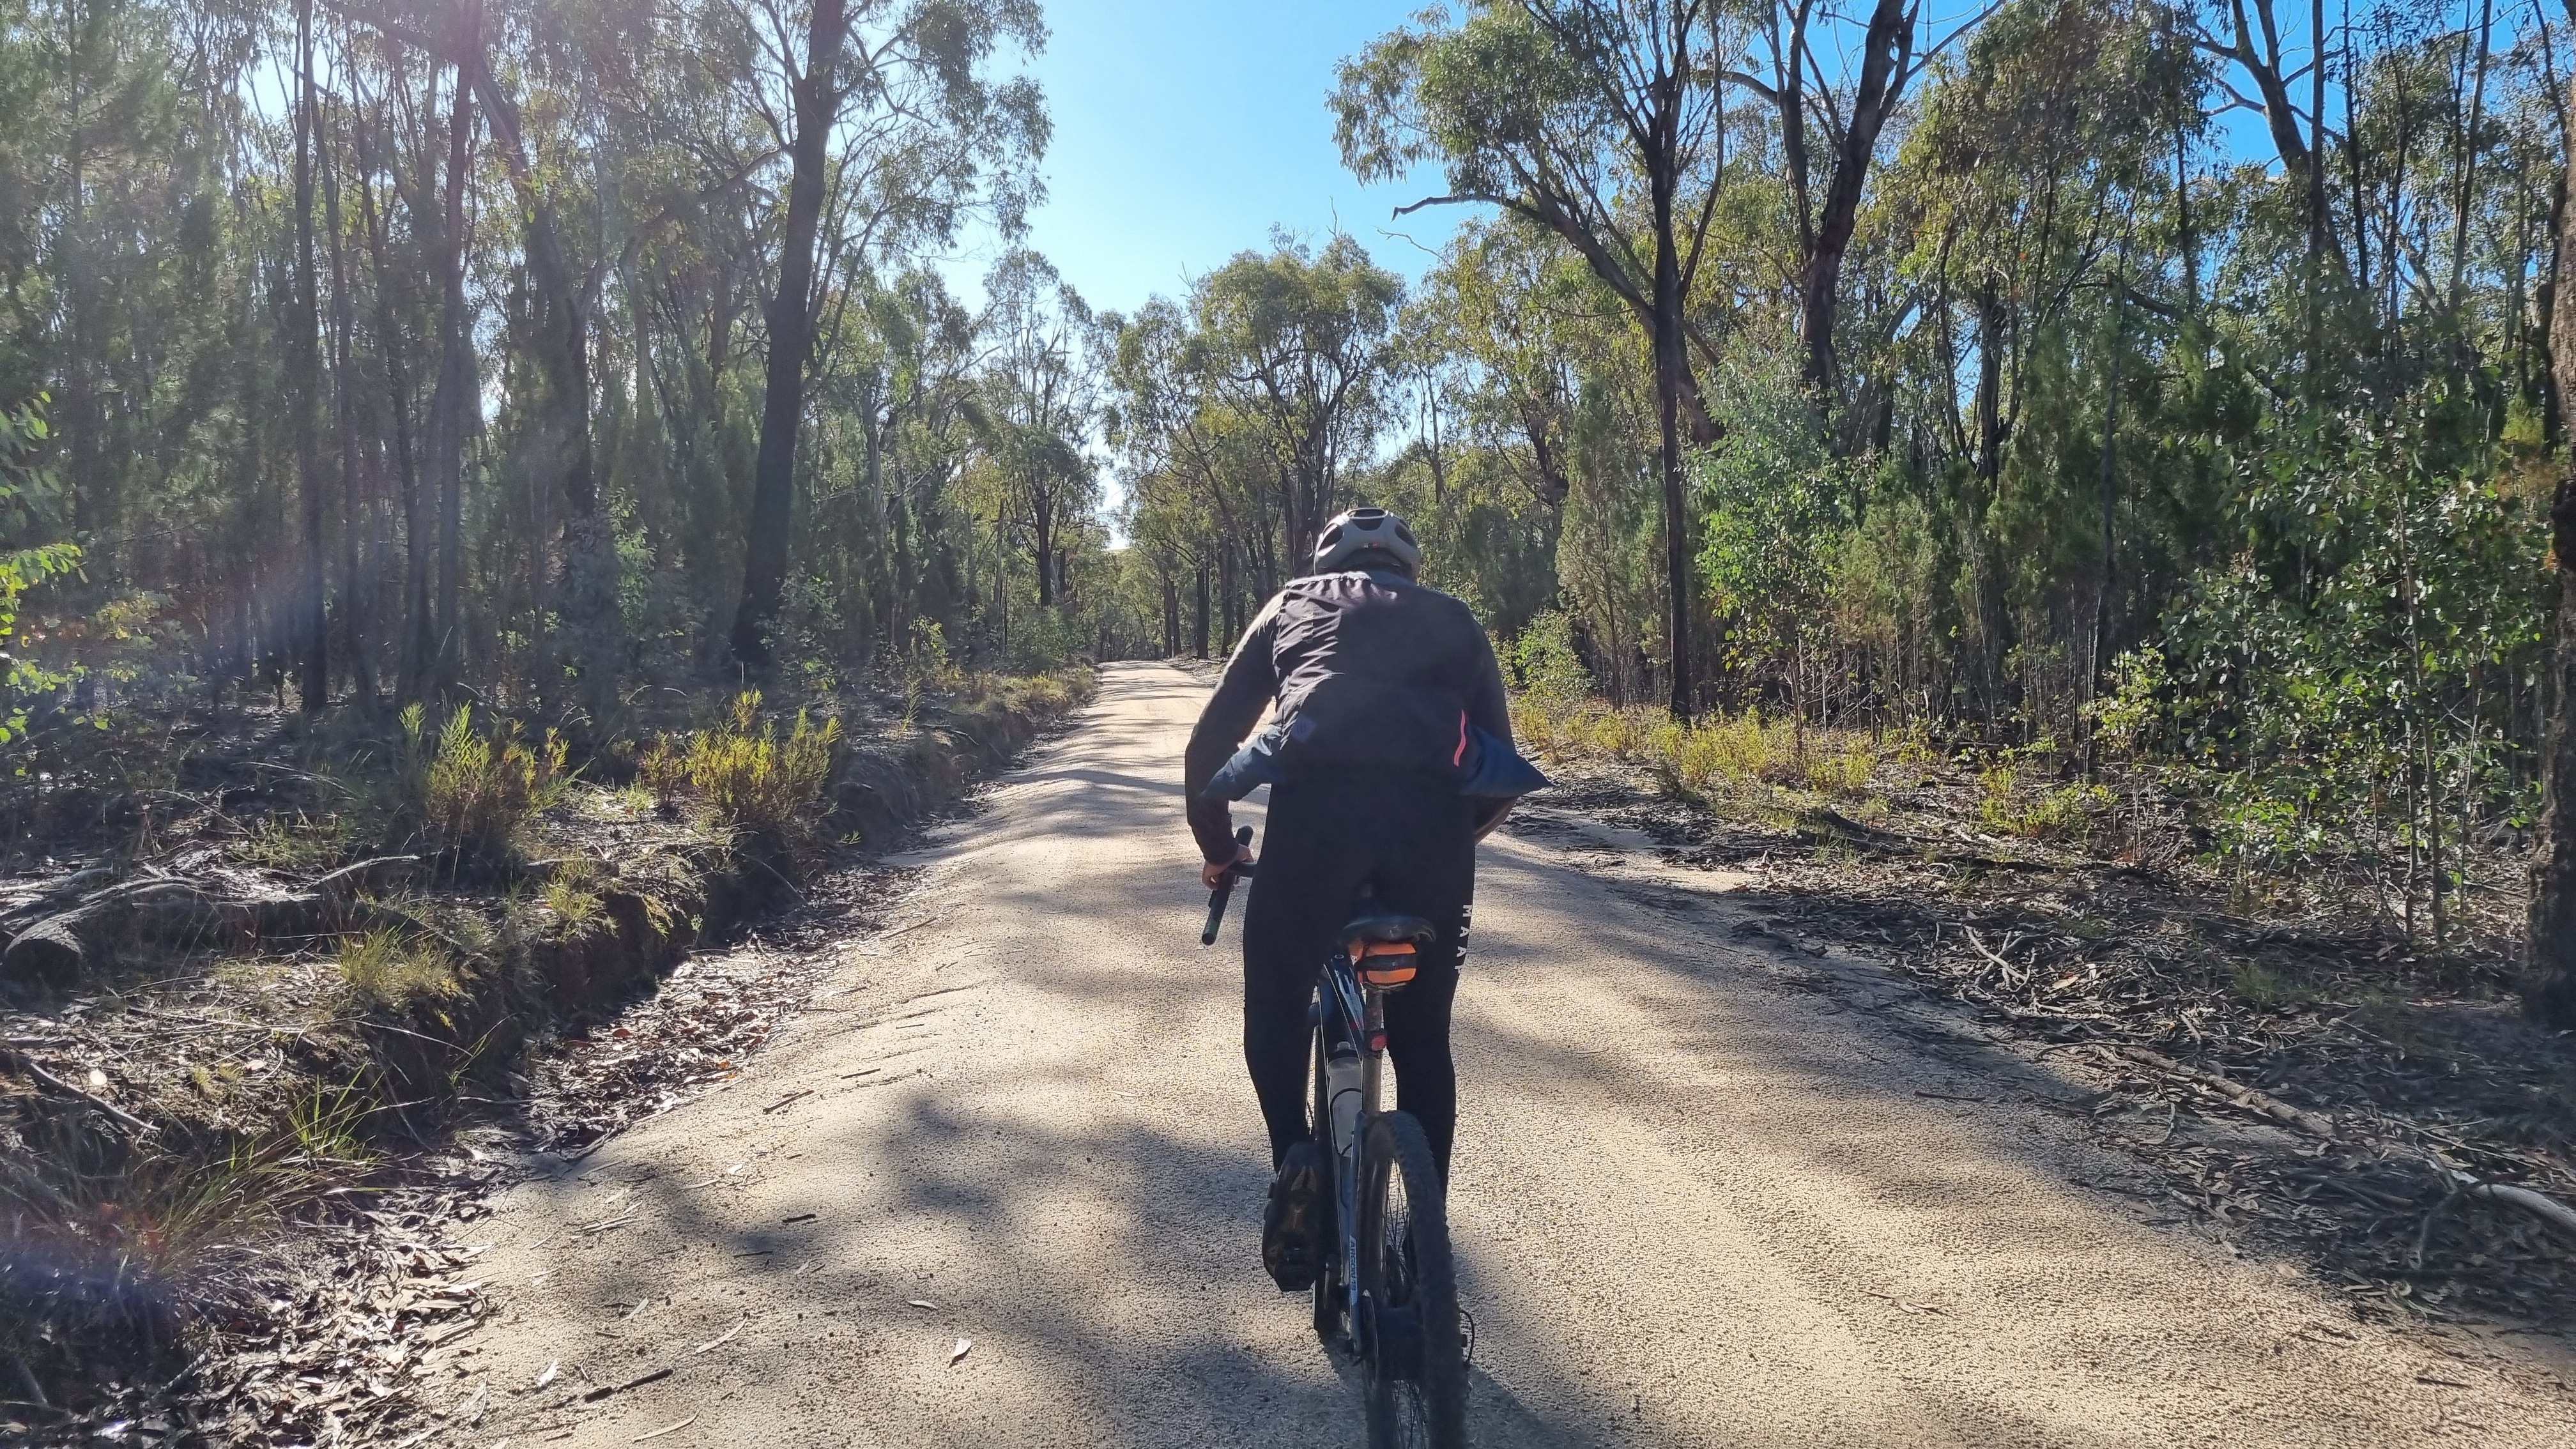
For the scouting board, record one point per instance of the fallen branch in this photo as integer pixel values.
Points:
(20, 1061)
(2259, 1102)
(2540, 1205)
(2549, 1210)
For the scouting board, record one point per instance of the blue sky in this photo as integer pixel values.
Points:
(1184, 132)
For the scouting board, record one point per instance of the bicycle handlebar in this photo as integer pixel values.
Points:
(1225, 890)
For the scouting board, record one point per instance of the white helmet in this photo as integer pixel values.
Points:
(1365, 538)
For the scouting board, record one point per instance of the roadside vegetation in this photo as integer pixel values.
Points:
(2313, 1070)
(295, 964)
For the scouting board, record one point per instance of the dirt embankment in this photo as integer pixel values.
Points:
(235, 1062)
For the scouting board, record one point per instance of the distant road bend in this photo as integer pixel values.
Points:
(1707, 1194)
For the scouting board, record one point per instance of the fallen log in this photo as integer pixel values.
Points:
(60, 949)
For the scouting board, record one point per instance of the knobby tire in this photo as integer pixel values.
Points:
(1426, 1408)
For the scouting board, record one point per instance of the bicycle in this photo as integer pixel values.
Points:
(1387, 1296)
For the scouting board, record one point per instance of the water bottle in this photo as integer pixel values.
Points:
(1342, 1087)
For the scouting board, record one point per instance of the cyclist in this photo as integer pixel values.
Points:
(1387, 698)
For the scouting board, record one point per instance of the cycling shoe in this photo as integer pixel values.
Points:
(1290, 1221)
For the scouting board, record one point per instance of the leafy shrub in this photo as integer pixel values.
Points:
(1843, 774)
(1543, 663)
(26, 489)
(2068, 813)
(747, 775)
(468, 791)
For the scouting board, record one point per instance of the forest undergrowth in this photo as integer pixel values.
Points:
(268, 985)
(2310, 1076)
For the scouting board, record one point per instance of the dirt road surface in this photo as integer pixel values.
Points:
(1710, 1191)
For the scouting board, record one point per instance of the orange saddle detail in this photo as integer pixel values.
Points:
(1384, 963)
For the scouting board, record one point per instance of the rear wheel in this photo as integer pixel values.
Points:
(1415, 1368)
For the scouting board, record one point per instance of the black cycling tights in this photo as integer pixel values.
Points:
(1412, 841)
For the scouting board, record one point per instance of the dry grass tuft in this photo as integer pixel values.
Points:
(387, 971)
(119, 1242)
(1742, 764)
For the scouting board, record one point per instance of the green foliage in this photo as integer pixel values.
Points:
(1541, 663)
(1742, 761)
(2069, 812)
(1773, 500)
(468, 790)
(2384, 578)
(2124, 720)
(747, 775)
(26, 490)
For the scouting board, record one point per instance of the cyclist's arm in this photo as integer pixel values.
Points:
(1251, 679)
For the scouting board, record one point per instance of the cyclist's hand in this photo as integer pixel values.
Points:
(1213, 873)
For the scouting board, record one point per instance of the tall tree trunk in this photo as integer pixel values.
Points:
(2469, 160)
(1885, 51)
(791, 325)
(2318, 219)
(356, 589)
(81, 414)
(588, 600)
(455, 389)
(2549, 982)
(418, 637)
(2109, 572)
(1199, 628)
(1042, 531)
(314, 680)
(1670, 363)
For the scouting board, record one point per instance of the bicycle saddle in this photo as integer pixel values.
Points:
(1388, 926)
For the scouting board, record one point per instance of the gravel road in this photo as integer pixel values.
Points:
(1711, 1190)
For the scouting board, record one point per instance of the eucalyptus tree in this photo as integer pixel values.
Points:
(2549, 985)
(1551, 110)
(1201, 476)
(1510, 302)
(891, 127)
(1804, 94)
(1040, 394)
(1297, 341)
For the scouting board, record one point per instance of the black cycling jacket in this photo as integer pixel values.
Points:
(1388, 671)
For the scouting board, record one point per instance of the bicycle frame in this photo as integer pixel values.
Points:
(1356, 1014)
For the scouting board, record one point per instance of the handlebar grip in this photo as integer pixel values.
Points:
(1224, 892)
